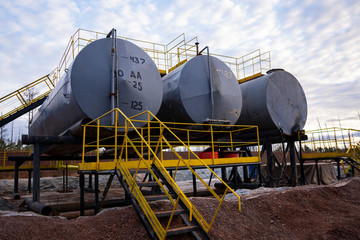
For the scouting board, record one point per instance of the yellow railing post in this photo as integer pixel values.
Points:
(72, 47)
(149, 143)
(337, 150)
(172, 214)
(84, 144)
(349, 138)
(126, 139)
(188, 142)
(116, 133)
(212, 143)
(142, 143)
(313, 142)
(257, 133)
(161, 143)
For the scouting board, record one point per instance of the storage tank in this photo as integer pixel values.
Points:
(87, 89)
(274, 101)
(202, 89)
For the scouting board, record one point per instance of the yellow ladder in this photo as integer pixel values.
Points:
(25, 99)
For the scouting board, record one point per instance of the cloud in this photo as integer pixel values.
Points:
(316, 41)
(33, 37)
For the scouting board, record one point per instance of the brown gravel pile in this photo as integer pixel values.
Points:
(307, 212)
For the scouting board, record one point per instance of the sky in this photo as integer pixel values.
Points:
(316, 41)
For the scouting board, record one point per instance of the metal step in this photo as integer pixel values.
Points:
(162, 214)
(147, 184)
(133, 171)
(192, 226)
(352, 162)
(155, 197)
(181, 230)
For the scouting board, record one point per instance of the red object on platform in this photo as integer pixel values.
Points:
(207, 155)
(229, 155)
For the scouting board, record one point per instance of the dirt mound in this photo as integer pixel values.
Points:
(306, 212)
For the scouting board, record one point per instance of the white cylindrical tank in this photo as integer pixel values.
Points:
(85, 90)
(194, 94)
(274, 101)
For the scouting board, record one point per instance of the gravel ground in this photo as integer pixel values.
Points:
(304, 212)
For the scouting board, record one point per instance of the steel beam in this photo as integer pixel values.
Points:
(270, 162)
(317, 171)
(22, 112)
(36, 169)
(38, 150)
(16, 194)
(293, 164)
(29, 181)
(194, 184)
(82, 194)
(97, 204)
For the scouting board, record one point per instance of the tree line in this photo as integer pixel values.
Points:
(9, 142)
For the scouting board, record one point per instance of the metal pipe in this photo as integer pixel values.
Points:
(82, 194)
(96, 207)
(39, 207)
(36, 174)
(270, 162)
(29, 181)
(246, 174)
(317, 171)
(114, 79)
(16, 194)
(293, 164)
(194, 185)
(76, 206)
(90, 180)
(67, 178)
(63, 180)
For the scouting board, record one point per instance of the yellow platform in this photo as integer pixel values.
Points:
(102, 166)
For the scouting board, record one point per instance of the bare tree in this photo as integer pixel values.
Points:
(3, 134)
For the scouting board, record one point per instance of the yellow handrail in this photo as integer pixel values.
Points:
(6, 165)
(335, 139)
(45, 84)
(143, 139)
(166, 57)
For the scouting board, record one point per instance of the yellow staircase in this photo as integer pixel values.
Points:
(140, 150)
(25, 99)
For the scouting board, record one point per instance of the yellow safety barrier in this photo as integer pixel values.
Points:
(354, 152)
(83, 37)
(331, 142)
(170, 56)
(245, 68)
(72, 166)
(4, 158)
(7, 166)
(131, 143)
